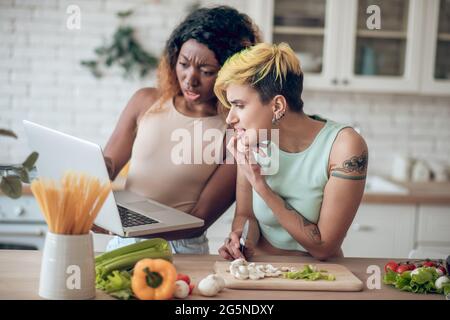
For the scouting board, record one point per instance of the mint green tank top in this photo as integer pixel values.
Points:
(300, 181)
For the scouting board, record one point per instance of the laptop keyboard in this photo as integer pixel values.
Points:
(132, 219)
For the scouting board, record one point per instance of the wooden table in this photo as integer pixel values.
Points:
(19, 278)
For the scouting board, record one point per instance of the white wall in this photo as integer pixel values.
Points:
(408, 124)
(41, 79)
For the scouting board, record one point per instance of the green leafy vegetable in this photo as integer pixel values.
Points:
(423, 276)
(390, 277)
(421, 280)
(446, 288)
(113, 268)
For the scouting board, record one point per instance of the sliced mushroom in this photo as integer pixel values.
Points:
(242, 270)
(260, 268)
(256, 275)
(270, 268)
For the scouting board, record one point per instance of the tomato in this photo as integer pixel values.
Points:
(442, 268)
(392, 265)
(402, 268)
(411, 266)
(191, 287)
(184, 277)
(429, 264)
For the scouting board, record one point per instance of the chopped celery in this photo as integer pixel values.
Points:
(117, 284)
(309, 272)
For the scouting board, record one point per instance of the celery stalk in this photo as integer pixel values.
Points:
(112, 268)
(128, 261)
(157, 243)
(151, 251)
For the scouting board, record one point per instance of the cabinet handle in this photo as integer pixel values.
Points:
(19, 211)
(360, 227)
(345, 82)
(334, 81)
(32, 233)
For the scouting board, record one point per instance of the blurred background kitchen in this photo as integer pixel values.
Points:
(392, 84)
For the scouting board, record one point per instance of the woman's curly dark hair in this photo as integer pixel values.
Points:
(223, 29)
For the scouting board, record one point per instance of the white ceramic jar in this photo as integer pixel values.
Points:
(67, 267)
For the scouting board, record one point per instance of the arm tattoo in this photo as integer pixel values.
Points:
(311, 229)
(343, 176)
(357, 164)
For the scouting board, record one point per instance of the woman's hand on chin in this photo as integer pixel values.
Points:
(247, 163)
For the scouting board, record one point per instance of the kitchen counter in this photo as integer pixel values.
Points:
(118, 184)
(434, 193)
(19, 278)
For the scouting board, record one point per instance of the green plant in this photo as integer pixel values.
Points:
(124, 51)
(12, 175)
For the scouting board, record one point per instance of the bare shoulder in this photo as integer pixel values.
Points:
(140, 101)
(349, 154)
(143, 99)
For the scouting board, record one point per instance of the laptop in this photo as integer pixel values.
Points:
(124, 213)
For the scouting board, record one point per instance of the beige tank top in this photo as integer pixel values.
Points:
(166, 162)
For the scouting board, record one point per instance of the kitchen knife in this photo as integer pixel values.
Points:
(244, 235)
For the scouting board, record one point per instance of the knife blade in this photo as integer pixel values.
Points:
(244, 235)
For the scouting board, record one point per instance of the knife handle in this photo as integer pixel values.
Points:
(241, 245)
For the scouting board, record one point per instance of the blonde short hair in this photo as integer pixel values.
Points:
(270, 69)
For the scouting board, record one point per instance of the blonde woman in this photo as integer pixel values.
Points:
(309, 204)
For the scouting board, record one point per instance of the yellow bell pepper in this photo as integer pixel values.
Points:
(154, 279)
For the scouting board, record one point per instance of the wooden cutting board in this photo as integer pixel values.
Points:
(345, 280)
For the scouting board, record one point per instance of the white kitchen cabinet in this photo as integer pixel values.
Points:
(309, 26)
(434, 227)
(427, 252)
(22, 224)
(23, 210)
(436, 63)
(377, 231)
(381, 230)
(386, 59)
(400, 57)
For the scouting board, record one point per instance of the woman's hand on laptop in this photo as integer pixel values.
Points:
(97, 229)
(230, 248)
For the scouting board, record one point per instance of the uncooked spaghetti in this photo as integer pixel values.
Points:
(72, 206)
